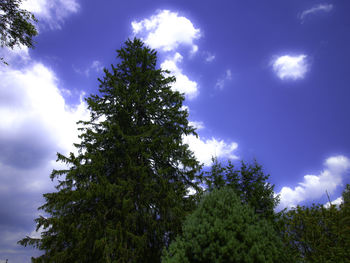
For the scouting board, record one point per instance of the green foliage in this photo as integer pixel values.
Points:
(249, 182)
(318, 234)
(124, 196)
(16, 25)
(222, 229)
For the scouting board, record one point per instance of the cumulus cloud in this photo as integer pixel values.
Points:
(35, 123)
(316, 9)
(220, 83)
(290, 67)
(32, 104)
(166, 31)
(183, 84)
(51, 12)
(205, 149)
(315, 186)
(336, 202)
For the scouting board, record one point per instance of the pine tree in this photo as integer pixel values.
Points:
(124, 196)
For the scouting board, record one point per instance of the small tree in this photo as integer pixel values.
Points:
(124, 196)
(222, 229)
(16, 25)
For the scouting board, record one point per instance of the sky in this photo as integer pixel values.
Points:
(264, 80)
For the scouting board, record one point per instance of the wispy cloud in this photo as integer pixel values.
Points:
(166, 31)
(95, 66)
(221, 82)
(183, 84)
(315, 186)
(209, 57)
(199, 125)
(51, 12)
(291, 67)
(316, 9)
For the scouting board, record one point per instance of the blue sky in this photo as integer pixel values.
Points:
(265, 80)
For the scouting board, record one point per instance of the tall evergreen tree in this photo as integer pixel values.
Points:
(124, 196)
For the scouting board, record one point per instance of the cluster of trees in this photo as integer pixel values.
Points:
(228, 226)
(317, 233)
(125, 196)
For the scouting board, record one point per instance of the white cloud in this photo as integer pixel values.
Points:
(35, 120)
(336, 202)
(220, 83)
(315, 186)
(36, 234)
(290, 67)
(316, 9)
(199, 125)
(183, 84)
(205, 149)
(166, 31)
(52, 12)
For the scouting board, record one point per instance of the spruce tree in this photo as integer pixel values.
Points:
(125, 194)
